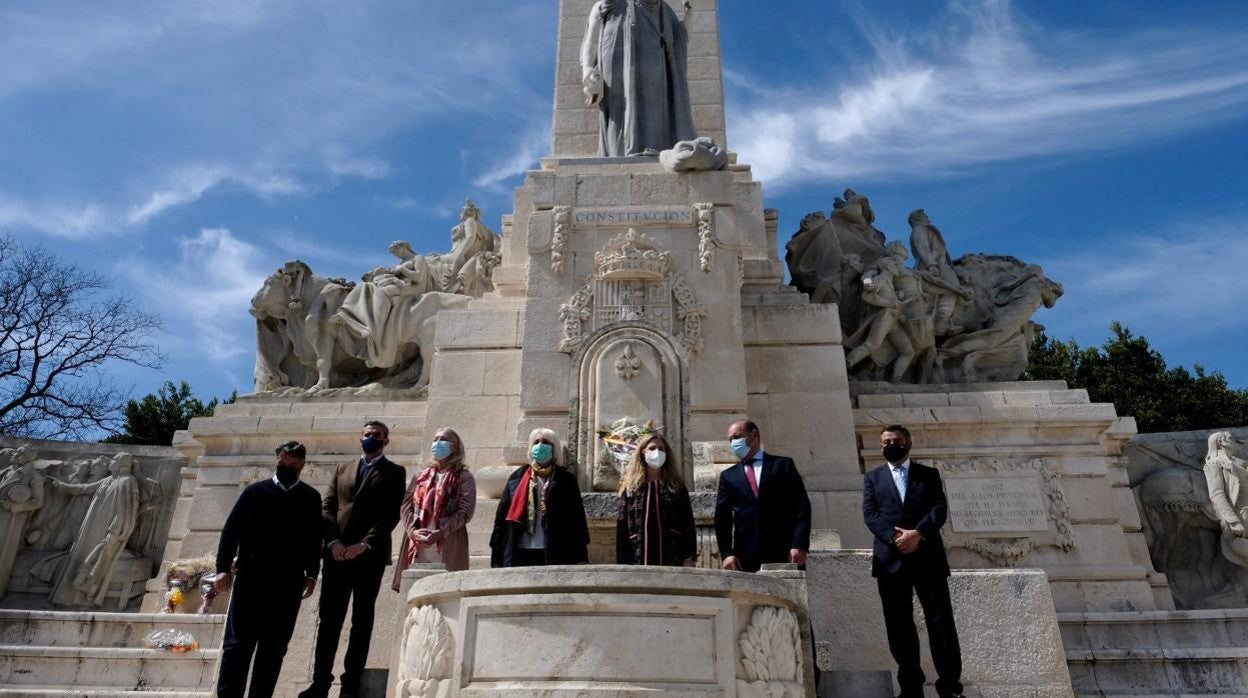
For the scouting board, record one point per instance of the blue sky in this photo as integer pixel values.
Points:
(189, 149)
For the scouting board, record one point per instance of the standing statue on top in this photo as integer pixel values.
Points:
(634, 68)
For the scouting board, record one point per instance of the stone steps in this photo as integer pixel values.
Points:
(1156, 653)
(94, 692)
(107, 667)
(101, 630)
(45, 653)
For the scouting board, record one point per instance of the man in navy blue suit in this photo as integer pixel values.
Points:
(762, 513)
(904, 506)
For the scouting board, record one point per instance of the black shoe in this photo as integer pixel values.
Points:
(315, 691)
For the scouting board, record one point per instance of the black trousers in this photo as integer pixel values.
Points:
(356, 581)
(260, 622)
(528, 557)
(897, 592)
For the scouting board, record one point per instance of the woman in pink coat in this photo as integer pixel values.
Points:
(437, 507)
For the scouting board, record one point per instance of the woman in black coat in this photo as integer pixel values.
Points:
(540, 518)
(655, 524)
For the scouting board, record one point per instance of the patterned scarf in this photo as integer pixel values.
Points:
(429, 499)
(526, 494)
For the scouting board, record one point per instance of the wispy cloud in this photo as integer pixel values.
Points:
(204, 294)
(1177, 281)
(534, 143)
(278, 98)
(985, 86)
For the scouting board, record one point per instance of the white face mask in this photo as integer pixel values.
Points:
(655, 457)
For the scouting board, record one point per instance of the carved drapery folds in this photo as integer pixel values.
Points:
(633, 282)
(428, 655)
(315, 333)
(981, 518)
(768, 655)
(935, 320)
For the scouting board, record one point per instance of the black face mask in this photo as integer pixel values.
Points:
(287, 474)
(896, 453)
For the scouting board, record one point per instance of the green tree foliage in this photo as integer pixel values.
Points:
(1129, 373)
(152, 420)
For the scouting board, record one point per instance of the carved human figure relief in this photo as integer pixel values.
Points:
(769, 653)
(427, 656)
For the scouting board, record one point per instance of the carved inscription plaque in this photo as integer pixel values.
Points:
(996, 504)
(632, 216)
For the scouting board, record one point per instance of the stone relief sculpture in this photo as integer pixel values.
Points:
(633, 282)
(633, 68)
(1226, 473)
(768, 653)
(81, 576)
(1193, 519)
(698, 155)
(940, 321)
(319, 333)
(428, 655)
(21, 494)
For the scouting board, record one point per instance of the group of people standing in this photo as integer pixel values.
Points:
(281, 534)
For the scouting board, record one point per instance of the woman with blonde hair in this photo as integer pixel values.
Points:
(540, 518)
(655, 522)
(437, 507)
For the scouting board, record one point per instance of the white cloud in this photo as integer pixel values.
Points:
(984, 87)
(278, 98)
(534, 143)
(1183, 281)
(204, 295)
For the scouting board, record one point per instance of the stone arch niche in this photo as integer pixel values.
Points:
(628, 372)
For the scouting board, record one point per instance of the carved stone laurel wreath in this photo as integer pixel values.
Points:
(427, 656)
(1009, 551)
(768, 653)
(706, 235)
(633, 257)
(559, 238)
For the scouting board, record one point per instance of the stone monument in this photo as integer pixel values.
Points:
(637, 286)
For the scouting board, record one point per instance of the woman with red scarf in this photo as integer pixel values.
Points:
(655, 524)
(437, 507)
(540, 518)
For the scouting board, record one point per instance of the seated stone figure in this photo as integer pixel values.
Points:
(317, 333)
(21, 494)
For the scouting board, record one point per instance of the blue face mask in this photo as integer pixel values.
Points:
(441, 449)
(541, 453)
(740, 447)
(372, 444)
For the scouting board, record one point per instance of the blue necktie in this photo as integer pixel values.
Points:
(902, 482)
(365, 468)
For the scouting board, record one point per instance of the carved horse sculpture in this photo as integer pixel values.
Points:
(301, 344)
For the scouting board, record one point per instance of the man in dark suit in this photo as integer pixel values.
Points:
(360, 509)
(275, 530)
(762, 513)
(904, 506)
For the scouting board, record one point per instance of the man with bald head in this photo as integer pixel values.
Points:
(762, 513)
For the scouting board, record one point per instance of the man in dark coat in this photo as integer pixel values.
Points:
(762, 513)
(275, 530)
(540, 518)
(360, 509)
(904, 506)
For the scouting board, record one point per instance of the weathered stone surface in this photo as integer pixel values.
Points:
(1006, 622)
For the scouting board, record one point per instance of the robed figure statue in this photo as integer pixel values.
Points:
(633, 67)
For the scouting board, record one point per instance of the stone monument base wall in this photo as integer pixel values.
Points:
(1035, 477)
(1007, 628)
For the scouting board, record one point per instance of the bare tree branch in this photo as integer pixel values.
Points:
(59, 333)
